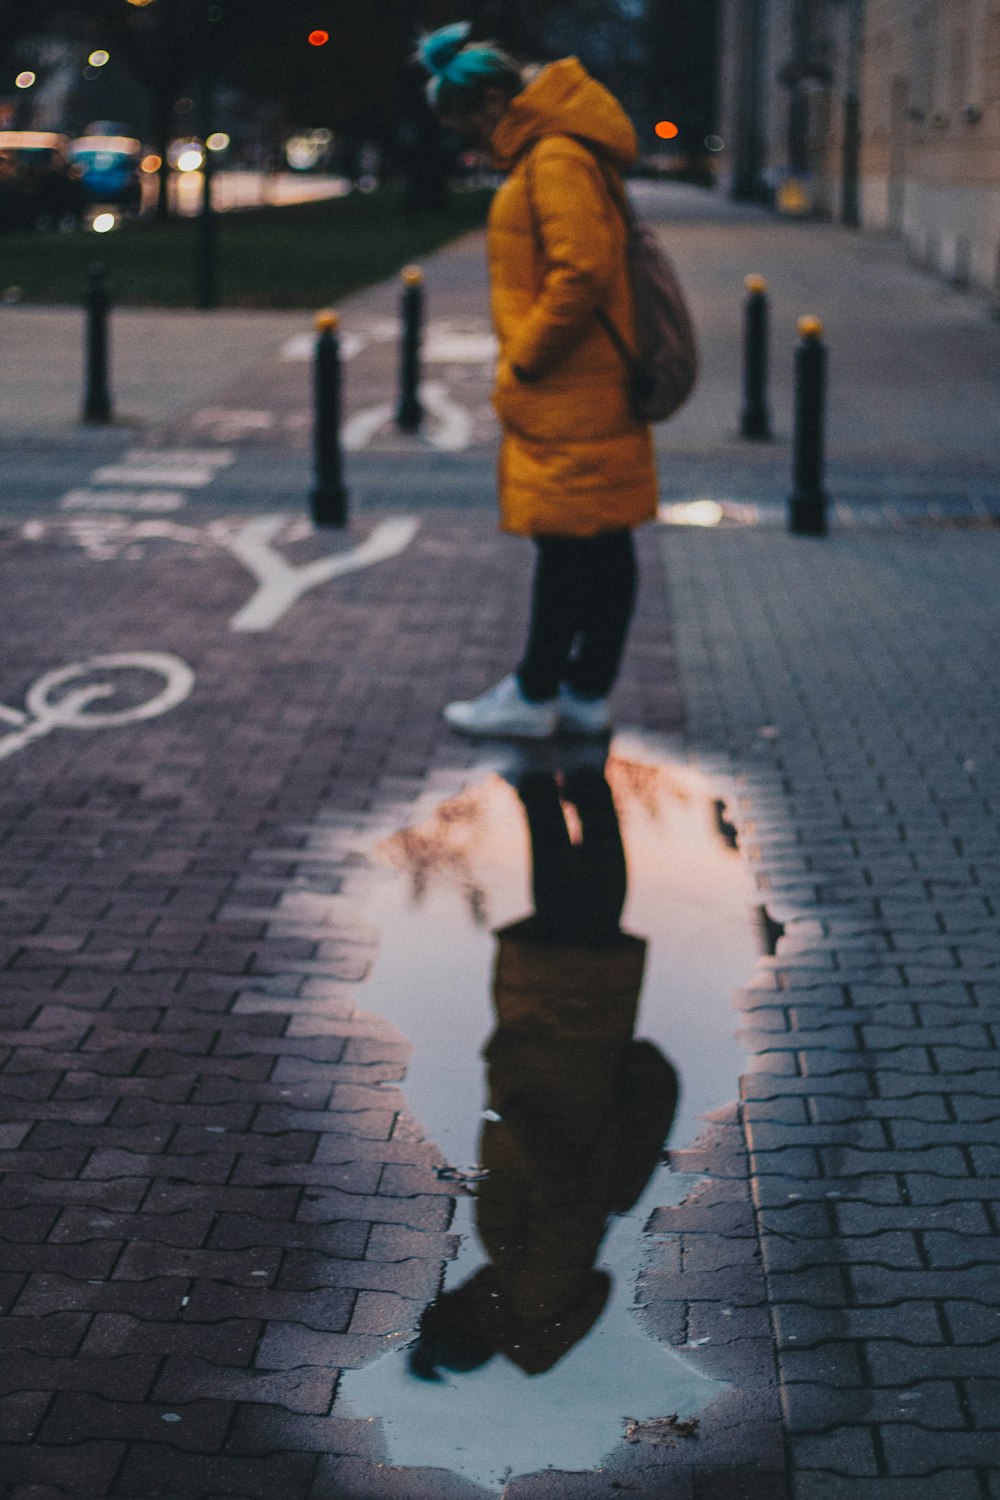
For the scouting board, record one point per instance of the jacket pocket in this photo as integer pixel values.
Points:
(515, 403)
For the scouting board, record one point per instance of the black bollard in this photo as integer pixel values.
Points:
(409, 412)
(755, 422)
(807, 509)
(96, 302)
(328, 500)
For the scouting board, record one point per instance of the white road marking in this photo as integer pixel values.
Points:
(188, 468)
(229, 422)
(444, 347)
(221, 458)
(454, 430)
(302, 346)
(105, 537)
(444, 342)
(154, 474)
(358, 431)
(141, 500)
(280, 583)
(71, 711)
(452, 433)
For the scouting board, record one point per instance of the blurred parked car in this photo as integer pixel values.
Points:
(109, 170)
(39, 185)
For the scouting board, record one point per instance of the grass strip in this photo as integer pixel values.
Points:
(300, 255)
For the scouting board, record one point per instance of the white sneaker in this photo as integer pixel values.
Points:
(504, 710)
(582, 715)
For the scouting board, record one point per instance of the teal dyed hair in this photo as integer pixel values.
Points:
(460, 70)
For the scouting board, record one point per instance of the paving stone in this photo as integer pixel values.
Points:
(913, 1450)
(325, 1309)
(85, 1469)
(885, 1248)
(127, 1378)
(946, 1484)
(146, 1095)
(156, 1469)
(307, 1390)
(895, 1362)
(75, 1416)
(270, 1429)
(891, 1230)
(292, 1347)
(21, 1415)
(347, 1479)
(846, 1451)
(816, 1407)
(228, 1342)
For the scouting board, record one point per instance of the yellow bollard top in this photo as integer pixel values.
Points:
(756, 285)
(327, 321)
(412, 276)
(810, 328)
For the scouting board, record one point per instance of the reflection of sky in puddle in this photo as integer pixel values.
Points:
(461, 871)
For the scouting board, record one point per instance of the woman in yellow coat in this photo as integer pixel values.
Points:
(576, 470)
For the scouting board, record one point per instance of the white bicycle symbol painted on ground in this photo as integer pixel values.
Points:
(72, 710)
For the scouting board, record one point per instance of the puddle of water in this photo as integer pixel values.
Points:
(559, 942)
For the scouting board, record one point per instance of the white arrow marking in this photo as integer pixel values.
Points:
(280, 583)
(454, 431)
(358, 431)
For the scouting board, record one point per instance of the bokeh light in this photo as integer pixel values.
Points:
(190, 159)
(692, 513)
(24, 80)
(104, 223)
(217, 141)
(318, 38)
(99, 58)
(151, 163)
(667, 130)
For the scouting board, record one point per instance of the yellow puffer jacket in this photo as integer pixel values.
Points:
(574, 460)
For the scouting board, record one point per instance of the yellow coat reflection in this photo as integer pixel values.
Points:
(583, 1109)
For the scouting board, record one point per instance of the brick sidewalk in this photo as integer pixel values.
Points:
(210, 1202)
(851, 686)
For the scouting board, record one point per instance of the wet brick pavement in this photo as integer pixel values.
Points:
(210, 1201)
(851, 687)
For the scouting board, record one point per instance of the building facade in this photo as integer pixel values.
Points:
(884, 113)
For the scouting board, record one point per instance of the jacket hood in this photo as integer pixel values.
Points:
(563, 99)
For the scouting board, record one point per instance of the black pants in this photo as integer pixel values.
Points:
(584, 594)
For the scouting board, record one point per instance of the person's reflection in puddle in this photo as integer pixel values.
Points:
(578, 1110)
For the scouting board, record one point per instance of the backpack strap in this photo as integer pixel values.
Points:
(616, 193)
